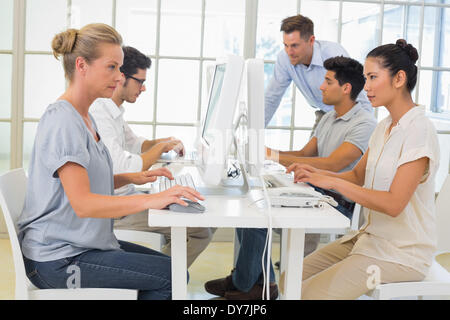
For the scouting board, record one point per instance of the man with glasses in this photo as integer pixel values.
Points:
(131, 153)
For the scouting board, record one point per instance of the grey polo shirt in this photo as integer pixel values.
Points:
(355, 127)
(49, 229)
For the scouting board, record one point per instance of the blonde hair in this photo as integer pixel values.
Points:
(74, 43)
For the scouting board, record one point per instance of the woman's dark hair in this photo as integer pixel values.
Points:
(133, 60)
(347, 70)
(396, 57)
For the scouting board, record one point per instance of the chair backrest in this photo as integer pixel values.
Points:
(443, 217)
(12, 198)
(356, 222)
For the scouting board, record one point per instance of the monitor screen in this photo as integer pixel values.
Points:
(216, 134)
(211, 112)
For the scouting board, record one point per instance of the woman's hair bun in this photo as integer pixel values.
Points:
(64, 42)
(409, 49)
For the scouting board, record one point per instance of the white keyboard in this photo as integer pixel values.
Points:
(182, 180)
(277, 180)
(283, 192)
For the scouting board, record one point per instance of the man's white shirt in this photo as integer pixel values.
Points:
(123, 145)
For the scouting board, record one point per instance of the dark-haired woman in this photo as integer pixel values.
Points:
(394, 182)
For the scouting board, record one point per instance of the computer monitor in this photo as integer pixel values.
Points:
(253, 85)
(212, 111)
(217, 131)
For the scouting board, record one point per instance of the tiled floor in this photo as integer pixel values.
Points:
(215, 262)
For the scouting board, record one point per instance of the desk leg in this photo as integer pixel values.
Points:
(179, 264)
(291, 265)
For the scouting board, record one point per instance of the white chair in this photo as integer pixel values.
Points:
(12, 198)
(437, 282)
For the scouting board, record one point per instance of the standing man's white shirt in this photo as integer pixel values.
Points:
(123, 145)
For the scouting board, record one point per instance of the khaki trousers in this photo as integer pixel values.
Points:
(330, 273)
(197, 238)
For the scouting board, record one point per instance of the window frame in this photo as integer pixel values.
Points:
(17, 119)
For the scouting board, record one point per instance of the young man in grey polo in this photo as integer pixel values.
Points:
(338, 143)
(342, 135)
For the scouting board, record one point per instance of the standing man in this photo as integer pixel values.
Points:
(131, 153)
(302, 62)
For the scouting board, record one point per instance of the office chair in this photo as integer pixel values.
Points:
(437, 281)
(12, 197)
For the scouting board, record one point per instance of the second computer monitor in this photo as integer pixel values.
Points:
(254, 99)
(217, 132)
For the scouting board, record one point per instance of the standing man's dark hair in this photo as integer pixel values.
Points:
(298, 23)
(347, 70)
(133, 60)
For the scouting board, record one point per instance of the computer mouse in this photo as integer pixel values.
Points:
(192, 207)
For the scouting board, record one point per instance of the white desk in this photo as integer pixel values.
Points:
(223, 212)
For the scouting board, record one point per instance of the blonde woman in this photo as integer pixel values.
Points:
(394, 182)
(69, 206)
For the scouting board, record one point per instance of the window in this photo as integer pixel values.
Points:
(180, 57)
(6, 56)
(360, 26)
(184, 37)
(5, 85)
(5, 146)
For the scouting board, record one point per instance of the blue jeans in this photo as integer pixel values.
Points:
(248, 269)
(136, 267)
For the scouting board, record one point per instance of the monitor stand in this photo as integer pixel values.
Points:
(238, 187)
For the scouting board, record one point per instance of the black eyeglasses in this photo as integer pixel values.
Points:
(141, 81)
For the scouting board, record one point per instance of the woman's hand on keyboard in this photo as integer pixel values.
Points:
(309, 174)
(174, 195)
(149, 176)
